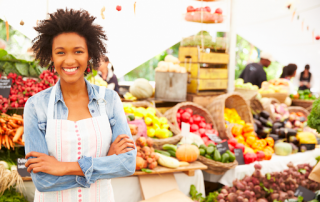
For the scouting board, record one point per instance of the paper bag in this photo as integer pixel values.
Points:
(315, 174)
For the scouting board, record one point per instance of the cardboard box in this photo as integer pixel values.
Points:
(172, 196)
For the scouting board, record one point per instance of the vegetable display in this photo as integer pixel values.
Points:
(232, 116)
(314, 116)
(187, 152)
(146, 158)
(204, 15)
(11, 130)
(303, 95)
(274, 86)
(211, 152)
(141, 89)
(239, 83)
(170, 64)
(276, 186)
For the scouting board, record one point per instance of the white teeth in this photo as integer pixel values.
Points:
(71, 70)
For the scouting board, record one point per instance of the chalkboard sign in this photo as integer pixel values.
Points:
(239, 156)
(22, 169)
(223, 147)
(5, 86)
(307, 194)
(214, 138)
(307, 147)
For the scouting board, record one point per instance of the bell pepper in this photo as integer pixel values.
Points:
(237, 130)
(268, 155)
(248, 150)
(252, 133)
(258, 145)
(260, 155)
(268, 148)
(263, 142)
(240, 139)
(251, 139)
(249, 158)
(270, 141)
(239, 146)
(232, 141)
(248, 128)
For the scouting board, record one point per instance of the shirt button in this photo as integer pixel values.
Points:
(92, 111)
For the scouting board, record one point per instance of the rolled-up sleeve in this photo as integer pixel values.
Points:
(35, 141)
(111, 166)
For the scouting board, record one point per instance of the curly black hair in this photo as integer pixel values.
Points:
(66, 21)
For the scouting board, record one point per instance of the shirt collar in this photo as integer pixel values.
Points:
(93, 94)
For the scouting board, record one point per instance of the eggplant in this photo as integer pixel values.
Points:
(274, 137)
(264, 132)
(264, 114)
(276, 125)
(265, 122)
(258, 123)
(303, 119)
(255, 116)
(286, 132)
(293, 140)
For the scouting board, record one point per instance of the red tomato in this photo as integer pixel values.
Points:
(180, 111)
(232, 141)
(239, 146)
(202, 131)
(189, 111)
(260, 155)
(318, 37)
(178, 116)
(202, 125)
(194, 127)
(209, 126)
(249, 158)
(205, 139)
(196, 119)
(191, 121)
(231, 147)
(118, 8)
(211, 131)
(208, 8)
(203, 119)
(218, 10)
(185, 117)
(190, 9)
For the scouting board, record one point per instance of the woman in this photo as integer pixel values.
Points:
(305, 79)
(72, 153)
(106, 72)
(288, 73)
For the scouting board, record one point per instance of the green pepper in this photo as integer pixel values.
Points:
(146, 170)
(232, 157)
(169, 147)
(208, 156)
(210, 150)
(202, 152)
(224, 158)
(172, 152)
(203, 147)
(217, 156)
(162, 152)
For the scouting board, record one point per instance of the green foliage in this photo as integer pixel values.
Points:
(314, 117)
(11, 195)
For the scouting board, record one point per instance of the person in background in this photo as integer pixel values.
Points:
(305, 79)
(288, 73)
(106, 72)
(254, 72)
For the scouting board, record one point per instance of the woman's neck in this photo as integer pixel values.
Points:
(74, 90)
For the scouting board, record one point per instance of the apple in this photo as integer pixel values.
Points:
(318, 37)
(190, 9)
(218, 11)
(208, 8)
(118, 8)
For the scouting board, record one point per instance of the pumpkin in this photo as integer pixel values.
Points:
(188, 153)
(141, 88)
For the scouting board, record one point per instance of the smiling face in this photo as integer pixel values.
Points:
(70, 56)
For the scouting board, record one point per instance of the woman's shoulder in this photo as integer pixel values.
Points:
(40, 98)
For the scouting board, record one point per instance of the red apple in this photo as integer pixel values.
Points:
(218, 10)
(318, 37)
(190, 9)
(208, 8)
(118, 8)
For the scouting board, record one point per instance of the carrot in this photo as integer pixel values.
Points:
(20, 143)
(18, 134)
(0, 141)
(7, 141)
(11, 143)
(16, 119)
(7, 30)
(12, 124)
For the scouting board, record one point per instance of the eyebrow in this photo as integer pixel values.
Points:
(74, 47)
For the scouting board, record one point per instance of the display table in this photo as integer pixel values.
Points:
(276, 164)
(131, 186)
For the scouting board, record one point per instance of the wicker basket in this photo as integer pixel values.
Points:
(256, 105)
(302, 103)
(215, 167)
(158, 143)
(246, 94)
(299, 109)
(171, 114)
(231, 100)
(267, 107)
(281, 97)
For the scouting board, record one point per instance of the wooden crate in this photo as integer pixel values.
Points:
(202, 85)
(171, 86)
(194, 54)
(200, 71)
(203, 99)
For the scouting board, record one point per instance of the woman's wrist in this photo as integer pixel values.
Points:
(72, 168)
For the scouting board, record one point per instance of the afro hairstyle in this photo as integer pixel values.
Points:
(68, 21)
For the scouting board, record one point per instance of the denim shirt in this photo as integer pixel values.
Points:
(35, 122)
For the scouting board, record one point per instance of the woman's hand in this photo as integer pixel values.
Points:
(122, 144)
(44, 163)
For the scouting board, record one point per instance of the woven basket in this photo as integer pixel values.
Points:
(171, 114)
(247, 94)
(302, 103)
(231, 100)
(216, 167)
(256, 105)
(299, 109)
(229, 130)
(267, 107)
(281, 97)
(158, 143)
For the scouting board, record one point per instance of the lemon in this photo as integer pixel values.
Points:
(162, 133)
(148, 121)
(151, 132)
(165, 126)
(163, 120)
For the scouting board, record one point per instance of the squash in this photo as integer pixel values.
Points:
(188, 153)
(282, 149)
(141, 88)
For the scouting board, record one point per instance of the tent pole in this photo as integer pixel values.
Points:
(47, 13)
(232, 48)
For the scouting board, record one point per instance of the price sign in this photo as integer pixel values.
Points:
(307, 194)
(239, 156)
(223, 147)
(185, 129)
(5, 86)
(214, 138)
(307, 147)
(22, 169)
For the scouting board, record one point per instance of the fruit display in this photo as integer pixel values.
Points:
(23, 88)
(198, 124)
(204, 15)
(211, 152)
(276, 186)
(11, 131)
(129, 96)
(303, 95)
(97, 80)
(239, 83)
(157, 127)
(170, 64)
(141, 89)
(146, 158)
(232, 116)
(274, 86)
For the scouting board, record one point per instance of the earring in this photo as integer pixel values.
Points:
(51, 67)
(88, 69)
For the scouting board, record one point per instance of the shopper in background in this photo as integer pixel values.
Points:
(288, 73)
(254, 72)
(106, 71)
(305, 79)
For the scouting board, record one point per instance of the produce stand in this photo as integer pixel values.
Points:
(276, 164)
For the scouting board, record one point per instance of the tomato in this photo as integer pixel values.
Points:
(205, 139)
(185, 117)
(180, 111)
(232, 141)
(239, 146)
(209, 126)
(218, 11)
(191, 121)
(202, 125)
(196, 119)
(190, 9)
(194, 128)
(202, 131)
(231, 147)
(208, 8)
(178, 115)
(189, 111)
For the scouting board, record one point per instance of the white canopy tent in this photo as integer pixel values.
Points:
(157, 25)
